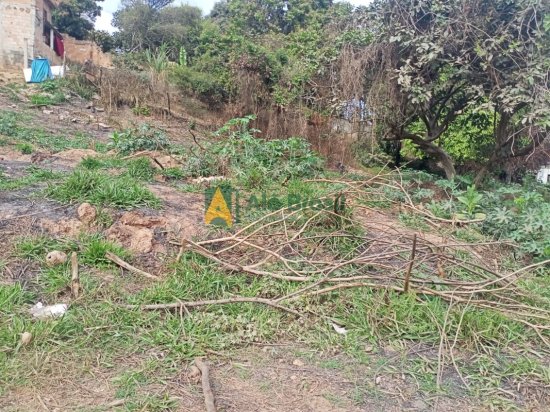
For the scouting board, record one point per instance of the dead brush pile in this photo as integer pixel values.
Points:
(119, 87)
(328, 249)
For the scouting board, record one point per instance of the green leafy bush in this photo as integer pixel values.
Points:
(522, 214)
(201, 84)
(143, 137)
(25, 148)
(252, 160)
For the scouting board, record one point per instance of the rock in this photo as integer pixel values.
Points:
(65, 227)
(55, 258)
(159, 178)
(168, 162)
(298, 362)
(104, 126)
(99, 109)
(136, 239)
(26, 338)
(208, 179)
(194, 374)
(136, 219)
(369, 348)
(378, 380)
(135, 231)
(86, 213)
(48, 112)
(71, 157)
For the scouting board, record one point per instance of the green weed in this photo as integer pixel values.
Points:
(140, 169)
(43, 99)
(25, 148)
(143, 137)
(34, 175)
(102, 189)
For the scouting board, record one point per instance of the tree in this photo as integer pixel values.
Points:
(103, 39)
(263, 16)
(152, 4)
(145, 25)
(76, 17)
(436, 59)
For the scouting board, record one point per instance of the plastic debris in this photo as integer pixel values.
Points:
(54, 311)
(340, 330)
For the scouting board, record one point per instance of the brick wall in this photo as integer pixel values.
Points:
(17, 25)
(82, 51)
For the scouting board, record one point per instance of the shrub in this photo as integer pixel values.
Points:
(143, 137)
(253, 160)
(78, 83)
(520, 213)
(201, 84)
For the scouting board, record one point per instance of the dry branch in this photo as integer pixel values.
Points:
(115, 259)
(298, 246)
(206, 388)
(411, 264)
(75, 279)
(195, 304)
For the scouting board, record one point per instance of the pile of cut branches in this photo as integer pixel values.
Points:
(328, 249)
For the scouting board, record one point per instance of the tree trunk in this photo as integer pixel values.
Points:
(447, 164)
(444, 160)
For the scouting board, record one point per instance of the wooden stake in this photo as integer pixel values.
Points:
(206, 388)
(75, 279)
(409, 269)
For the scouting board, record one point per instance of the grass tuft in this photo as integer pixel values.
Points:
(101, 189)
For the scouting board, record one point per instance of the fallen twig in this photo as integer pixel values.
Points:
(75, 280)
(409, 269)
(181, 305)
(115, 259)
(206, 388)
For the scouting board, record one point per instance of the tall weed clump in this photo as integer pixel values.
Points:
(252, 160)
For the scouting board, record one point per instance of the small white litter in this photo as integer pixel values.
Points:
(54, 311)
(340, 330)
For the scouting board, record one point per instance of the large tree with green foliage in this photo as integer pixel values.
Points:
(76, 17)
(147, 25)
(437, 59)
